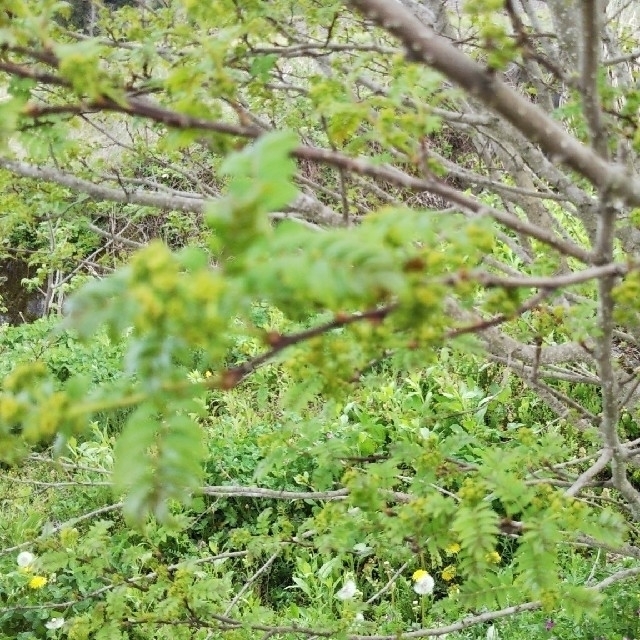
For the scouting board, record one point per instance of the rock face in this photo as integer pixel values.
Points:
(22, 305)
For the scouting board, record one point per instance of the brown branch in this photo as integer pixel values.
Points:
(230, 378)
(590, 473)
(22, 71)
(273, 494)
(322, 49)
(234, 491)
(483, 325)
(144, 108)
(425, 46)
(540, 282)
(64, 525)
(592, 11)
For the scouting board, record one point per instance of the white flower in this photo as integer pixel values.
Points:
(348, 590)
(54, 623)
(492, 633)
(25, 559)
(362, 548)
(359, 617)
(422, 582)
(425, 433)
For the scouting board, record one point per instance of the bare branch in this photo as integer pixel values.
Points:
(590, 473)
(592, 14)
(423, 45)
(247, 585)
(64, 525)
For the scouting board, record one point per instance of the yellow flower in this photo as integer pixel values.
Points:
(207, 374)
(37, 582)
(452, 549)
(493, 557)
(449, 573)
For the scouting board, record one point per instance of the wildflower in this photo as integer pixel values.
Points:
(25, 559)
(454, 590)
(423, 582)
(348, 590)
(452, 549)
(549, 624)
(362, 548)
(207, 374)
(492, 633)
(54, 623)
(448, 573)
(359, 617)
(37, 582)
(493, 557)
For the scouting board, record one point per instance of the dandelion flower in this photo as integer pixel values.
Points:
(452, 549)
(25, 559)
(493, 557)
(54, 623)
(37, 582)
(348, 590)
(448, 573)
(423, 582)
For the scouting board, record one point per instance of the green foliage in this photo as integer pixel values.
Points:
(260, 183)
(355, 538)
(247, 425)
(497, 42)
(170, 466)
(247, 438)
